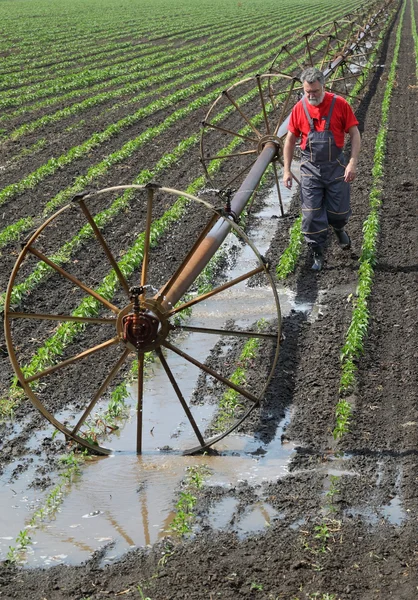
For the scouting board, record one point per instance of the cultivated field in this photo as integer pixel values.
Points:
(96, 94)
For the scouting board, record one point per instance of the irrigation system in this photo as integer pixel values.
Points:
(244, 130)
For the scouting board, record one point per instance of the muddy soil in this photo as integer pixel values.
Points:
(363, 553)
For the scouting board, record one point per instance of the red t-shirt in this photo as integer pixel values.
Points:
(342, 119)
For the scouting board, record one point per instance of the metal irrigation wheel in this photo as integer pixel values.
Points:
(141, 318)
(319, 46)
(241, 121)
(340, 48)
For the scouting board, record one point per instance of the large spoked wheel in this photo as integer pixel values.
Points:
(241, 121)
(130, 313)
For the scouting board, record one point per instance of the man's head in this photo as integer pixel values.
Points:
(313, 82)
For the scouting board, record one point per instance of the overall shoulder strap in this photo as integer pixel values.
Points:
(308, 116)
(331, 108)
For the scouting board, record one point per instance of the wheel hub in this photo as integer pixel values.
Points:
(140, 326)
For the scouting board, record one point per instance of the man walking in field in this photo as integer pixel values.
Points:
(321, 119)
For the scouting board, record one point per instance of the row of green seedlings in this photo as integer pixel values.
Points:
(14, 231)
(291, 254)
(354, 344)
(230, 403)
(185, 71)
(185, 517)
(135, 52)
(318, 539)
(184, 514)
(72, 463)
(134, 67)
(124, 73)
(414, 36)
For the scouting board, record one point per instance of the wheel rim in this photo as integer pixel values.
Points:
(150, 332)
(241, 121)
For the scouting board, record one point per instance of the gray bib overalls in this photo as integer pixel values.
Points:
(324, 193)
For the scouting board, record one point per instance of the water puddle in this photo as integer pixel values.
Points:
(255, 519)
(125, 500)
(394, 511)
(221, 515)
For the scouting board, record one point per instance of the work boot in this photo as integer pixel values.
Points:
(318, 258)
(343, 238)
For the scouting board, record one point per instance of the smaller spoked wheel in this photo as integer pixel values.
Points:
(242, 120)
(320, 46)
(146, 289)
(340, 48)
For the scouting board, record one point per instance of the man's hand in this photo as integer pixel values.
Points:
(287, 179)
(351, 168)
(350, 172)
(288, 150)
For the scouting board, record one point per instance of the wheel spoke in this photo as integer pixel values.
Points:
(210, 371)
(234, 133)
(263, 105)
(180, 396)
(48, 317)
(104, 245)
(308, 49)
(140, 390)
(145, 260)
(116, 368)
(276, 177)
(227, 332)
(243, 115)
(324, 57)
(217, 290)
(73, 359)
(73, 279)
(285, 106)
